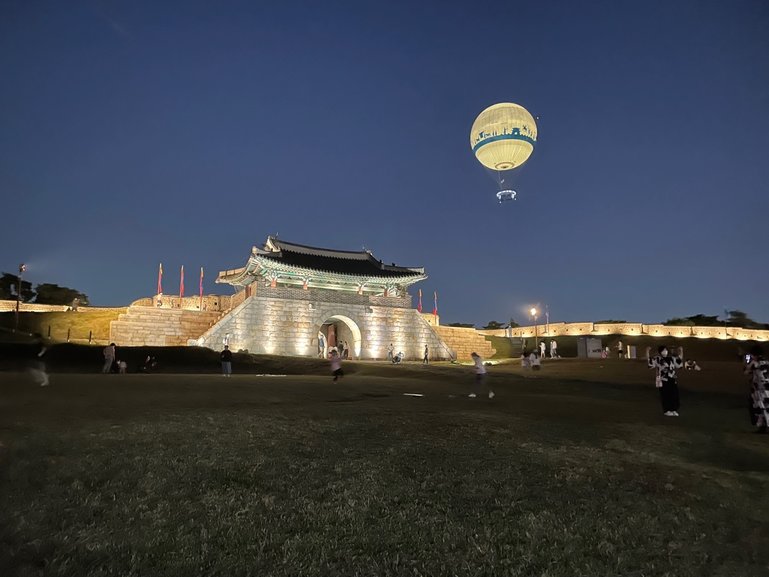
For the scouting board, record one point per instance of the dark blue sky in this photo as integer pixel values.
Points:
(185, 132)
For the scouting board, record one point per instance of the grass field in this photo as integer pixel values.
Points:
(571, 471)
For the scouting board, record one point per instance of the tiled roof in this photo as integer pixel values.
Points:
(361, 263)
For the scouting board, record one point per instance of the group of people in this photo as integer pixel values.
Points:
(397, 358)
(665, 363)
(531, 360)
(111, 363)
(756, 368)
(620, 348)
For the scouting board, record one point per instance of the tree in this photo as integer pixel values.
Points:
(701, 320)
(494, 325)
(53, 294)
(9, 289)
(741, 319)
(462, 325)
(679, 322)
(513, 324)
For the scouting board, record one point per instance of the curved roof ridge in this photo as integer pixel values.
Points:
(282, 245)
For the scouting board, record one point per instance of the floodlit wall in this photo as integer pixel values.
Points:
(162, 327)
(286, 321)
(10, 305)
(631, 329)
(464, 341)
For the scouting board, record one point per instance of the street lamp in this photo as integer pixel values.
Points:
(533, 312)
(22, 270)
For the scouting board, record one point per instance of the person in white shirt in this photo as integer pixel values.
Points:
(542, 348)
(480, 376)
(336, 365)
(553, 349)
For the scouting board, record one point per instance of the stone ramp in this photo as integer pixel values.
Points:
(163, 327)
(464, 341)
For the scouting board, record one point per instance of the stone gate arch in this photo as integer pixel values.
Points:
(352, 327)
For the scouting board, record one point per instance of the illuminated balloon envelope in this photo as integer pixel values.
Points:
(503, 138)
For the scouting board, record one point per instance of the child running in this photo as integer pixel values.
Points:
(480, 376)
(336, 365)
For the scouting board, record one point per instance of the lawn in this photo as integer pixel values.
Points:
(572, 471)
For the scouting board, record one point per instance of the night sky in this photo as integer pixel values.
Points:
(133, 133)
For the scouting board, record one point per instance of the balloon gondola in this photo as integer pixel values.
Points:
(506, 195)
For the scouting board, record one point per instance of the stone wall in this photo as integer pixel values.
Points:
(10, 306)
(286, 321)
(189, 303)
(148, 326)
(464, 341)
(631, 329)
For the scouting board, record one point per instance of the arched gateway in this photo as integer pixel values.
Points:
(295, 297)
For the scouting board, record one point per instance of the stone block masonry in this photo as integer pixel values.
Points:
(148, 326)
(464, 341)
(286, 321)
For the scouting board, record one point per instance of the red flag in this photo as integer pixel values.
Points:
(181, 284)
(201, 288)
(160, 279)
(419, 304)
(435, 303)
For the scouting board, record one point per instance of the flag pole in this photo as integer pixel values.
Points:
(200, 307)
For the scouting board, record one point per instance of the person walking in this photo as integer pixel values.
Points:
(758, 369)
(480, 376)
(553, 349)
(666, 381)
(109, 358)
(426, 357)
(346, 350)
(542, 349)
(620, 350)
(226, 357)
(336, 366)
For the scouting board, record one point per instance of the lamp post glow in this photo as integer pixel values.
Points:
(22, 270)
(533, 313)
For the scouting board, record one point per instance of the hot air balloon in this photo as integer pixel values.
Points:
(502, 139)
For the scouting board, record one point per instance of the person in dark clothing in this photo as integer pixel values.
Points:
(226, 358)
(666, 381)
(758, 370)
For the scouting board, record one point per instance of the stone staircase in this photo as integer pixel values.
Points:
(163, 327)
(464, 341)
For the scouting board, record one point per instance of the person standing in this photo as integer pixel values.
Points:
(620, 350)
(542, 349)
(336, 366)
(758, 369)
(426, 356)
(226, 358)
(666, 381)
(109, 358)
(480, 376)
(553, 349)
(346, 350)
(390, 351)
(321, 345)
(37, 365)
